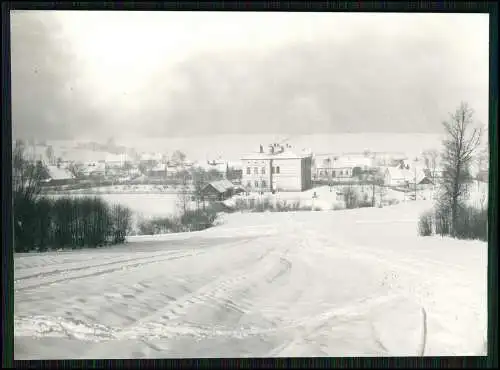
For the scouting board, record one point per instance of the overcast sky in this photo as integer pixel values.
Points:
(125, 74)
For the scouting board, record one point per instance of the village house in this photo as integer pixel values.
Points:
(58, 176)
(219, 166)
(159, 171)
(340, 168)
(118, 160)
(220, 190)
(277, 169)
(94, 169)
(395, 176)
(151, 159)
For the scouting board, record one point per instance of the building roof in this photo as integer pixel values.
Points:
(118, 158)
(343, 162)
(151, 156)
(221, 186)
(287, 154)
(91, 167)
(397, 173)
(160, 167)
(61, 173)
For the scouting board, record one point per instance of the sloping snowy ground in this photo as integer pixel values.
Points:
(343, 283)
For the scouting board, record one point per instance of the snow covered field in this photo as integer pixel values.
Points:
(344, 283)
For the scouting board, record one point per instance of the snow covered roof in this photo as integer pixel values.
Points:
(398, 173)
(286, 154)
(221, 186)
(160, 167)
(151, 156)
(348, 162)
(56, 173)
(118, 158)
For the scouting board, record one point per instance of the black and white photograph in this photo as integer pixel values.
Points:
(205, 184)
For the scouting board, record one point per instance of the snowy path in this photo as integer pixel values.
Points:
(283, 284)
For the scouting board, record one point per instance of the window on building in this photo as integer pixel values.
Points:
(249, 171)
(263, 183)
(249, 184)
(256, 184)
(272, 169)
(333, 173)
(263, 170)
(277, 169)
(256, 170)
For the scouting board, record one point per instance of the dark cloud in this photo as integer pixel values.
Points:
(48, 100)
(369, 84)
(371, 81)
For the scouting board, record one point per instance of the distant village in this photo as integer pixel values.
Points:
(275, 167)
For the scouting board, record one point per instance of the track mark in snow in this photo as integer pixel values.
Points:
(286, 266)
(146, 261)
(424, 332)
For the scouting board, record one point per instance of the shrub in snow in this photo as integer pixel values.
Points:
(472, 223)
(158, 225)
(425, 224)
(442, 219)
(337, 206)
(196, 220)
(121, 221)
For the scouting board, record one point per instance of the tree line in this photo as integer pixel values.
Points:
(42, 223)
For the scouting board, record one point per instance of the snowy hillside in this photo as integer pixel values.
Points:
(344, 283)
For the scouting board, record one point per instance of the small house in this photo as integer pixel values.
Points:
(220, 190)
(94, 169)
(118, 160)
(159, 171)
(395, 176)
(59, 176)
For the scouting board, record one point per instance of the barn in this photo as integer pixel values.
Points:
(220, 190)
(59, 176)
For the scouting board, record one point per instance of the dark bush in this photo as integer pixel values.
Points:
(472, 223)
(425, 224)
(121, 219)
(442, 220)
(351, 198)
(196, 220)
(158, 225)
(66, 222)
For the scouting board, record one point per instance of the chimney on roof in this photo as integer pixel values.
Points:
(261, 148)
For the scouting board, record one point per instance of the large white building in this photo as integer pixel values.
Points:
(277, 169)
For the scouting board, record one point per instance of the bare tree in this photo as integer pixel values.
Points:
(26, 175)
(178, 157)
(183, 197)
(199, 176)
(460, 146)
(26, 185)
(431, 157)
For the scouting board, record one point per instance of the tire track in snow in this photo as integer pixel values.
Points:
(79, 267)
(215, 294)
(126, 266)
(134, 263)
